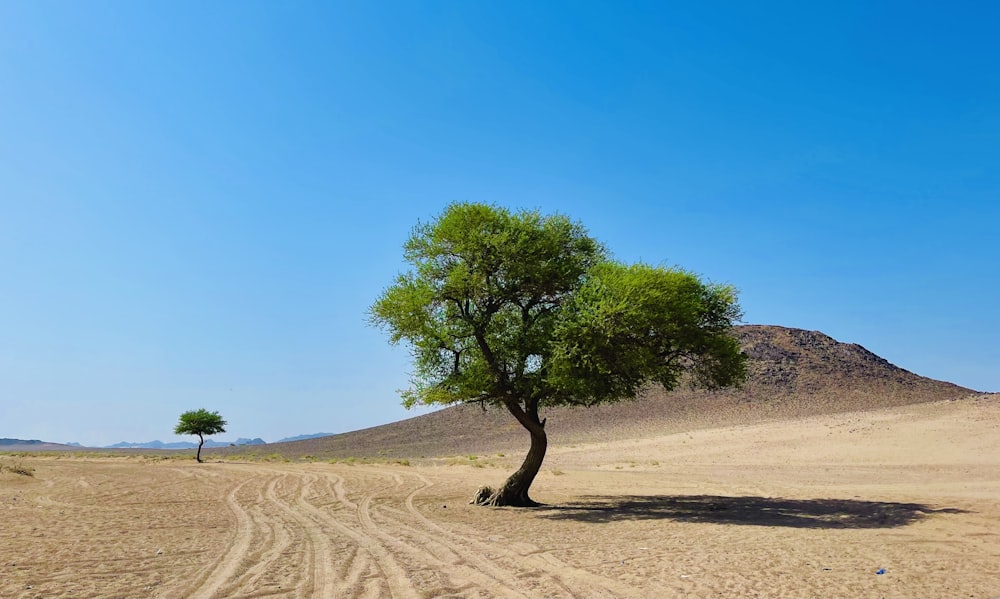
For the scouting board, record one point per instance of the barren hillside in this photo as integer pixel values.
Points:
(793, 373)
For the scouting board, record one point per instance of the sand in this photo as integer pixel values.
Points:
(813, 507)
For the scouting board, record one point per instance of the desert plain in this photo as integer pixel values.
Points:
(896, 502)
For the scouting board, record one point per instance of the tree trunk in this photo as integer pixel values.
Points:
(201, 442)
(514, 491)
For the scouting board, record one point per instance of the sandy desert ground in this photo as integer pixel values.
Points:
(812, 507)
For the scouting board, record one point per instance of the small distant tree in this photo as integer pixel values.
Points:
(200, 422)
(522, 311)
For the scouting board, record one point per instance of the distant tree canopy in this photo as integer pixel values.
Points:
(522, 310)
(200, 422)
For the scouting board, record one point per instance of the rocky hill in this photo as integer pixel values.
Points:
(793, 373)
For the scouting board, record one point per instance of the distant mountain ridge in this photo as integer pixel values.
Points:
(182, 444)
(31, 445)
(211, 443)
(21, 442)
(35, 444)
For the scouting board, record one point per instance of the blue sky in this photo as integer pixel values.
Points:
(199, 201)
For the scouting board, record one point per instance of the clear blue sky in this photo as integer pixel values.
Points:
(199, 201)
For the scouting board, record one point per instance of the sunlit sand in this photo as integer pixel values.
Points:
(812, 507)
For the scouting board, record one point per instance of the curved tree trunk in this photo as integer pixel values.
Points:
(201, 442)
(514, 491)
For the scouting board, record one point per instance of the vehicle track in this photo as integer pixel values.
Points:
(224, 567)
(393, 575)
(521, 561)
(304, 531)
(275, 543)
(318, 577)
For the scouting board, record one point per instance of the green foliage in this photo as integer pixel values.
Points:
(482, 301)
(628, 325)
(521, 308)
(200, 422)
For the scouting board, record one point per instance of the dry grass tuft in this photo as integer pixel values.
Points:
(17, 468)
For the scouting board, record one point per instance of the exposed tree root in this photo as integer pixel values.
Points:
(502, 497)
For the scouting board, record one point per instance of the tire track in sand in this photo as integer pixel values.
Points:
(466, 569)
(276, 542)
(318, 572)
(378, 545)
(224, 567)
(277, 521)
(457, 572)
(395, 577)
(265, 538)
(576, 581)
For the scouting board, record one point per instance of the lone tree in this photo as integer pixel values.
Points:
(522, 311)
(200, 422)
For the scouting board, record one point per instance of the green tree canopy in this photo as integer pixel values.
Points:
(200, 422)
(522, 310)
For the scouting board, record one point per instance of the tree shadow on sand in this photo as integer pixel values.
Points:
(751, 511)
